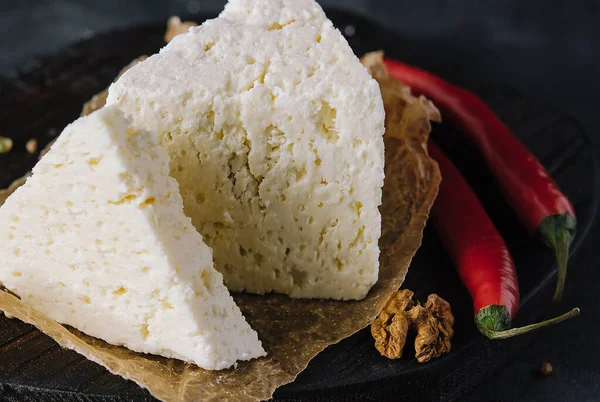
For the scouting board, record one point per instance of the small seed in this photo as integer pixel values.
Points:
(545, 369)
(32, 146)
(6, 145)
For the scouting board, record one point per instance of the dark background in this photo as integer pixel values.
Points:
(549, 50)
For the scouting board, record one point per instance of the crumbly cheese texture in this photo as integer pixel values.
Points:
(97, 239)
(274, 129)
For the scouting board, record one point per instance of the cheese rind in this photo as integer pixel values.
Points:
(274, 129)
(97, 239)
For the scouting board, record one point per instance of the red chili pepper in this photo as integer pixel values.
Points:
(482, 258)
(527, 186)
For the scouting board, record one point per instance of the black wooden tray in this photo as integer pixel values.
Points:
(47, 94)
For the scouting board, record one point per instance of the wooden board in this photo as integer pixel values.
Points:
(47, 94)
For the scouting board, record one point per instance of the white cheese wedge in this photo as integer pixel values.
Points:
(274, 129)
(97, 239)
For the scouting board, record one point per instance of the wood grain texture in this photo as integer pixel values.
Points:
(48, 93)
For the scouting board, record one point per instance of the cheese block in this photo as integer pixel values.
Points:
(274, 130)
(97, 239)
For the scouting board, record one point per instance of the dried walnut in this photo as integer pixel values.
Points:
(432, 322)
(391, 326)
(434, 328)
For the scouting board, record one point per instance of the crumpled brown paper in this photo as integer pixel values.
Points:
(292, 331)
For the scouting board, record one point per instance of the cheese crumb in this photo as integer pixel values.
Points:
(32, 146)
(6, 145)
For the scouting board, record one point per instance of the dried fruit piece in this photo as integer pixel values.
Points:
(176, 27)
(391, 326)
(6, 145)
(32, 146)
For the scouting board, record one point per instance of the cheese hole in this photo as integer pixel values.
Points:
(144, 331)
(183, 152)
(339, 264)
(318, 38)
(318, 161)
(180, 168)
(145, 269)
(11, 236)
(359, 206)
(15, 218)
(300, 173)
(17, 251)
(85, 299)
(275, 26)
(169, 136)
(298, 277)
(207, 280)
(148, 201)
(119, 291)
(17, 273)
(242, 251)
(361, 271)
(94, 161)
(320, 204)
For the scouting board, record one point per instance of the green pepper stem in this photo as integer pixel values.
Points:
(557, 232)
(561, 252)
(509, 333)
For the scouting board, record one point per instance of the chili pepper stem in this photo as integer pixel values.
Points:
(557, 232)
(561, 251)
(493, 317)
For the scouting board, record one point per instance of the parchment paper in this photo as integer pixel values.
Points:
(292, 331)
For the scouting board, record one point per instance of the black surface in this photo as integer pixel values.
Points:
(551, 138)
